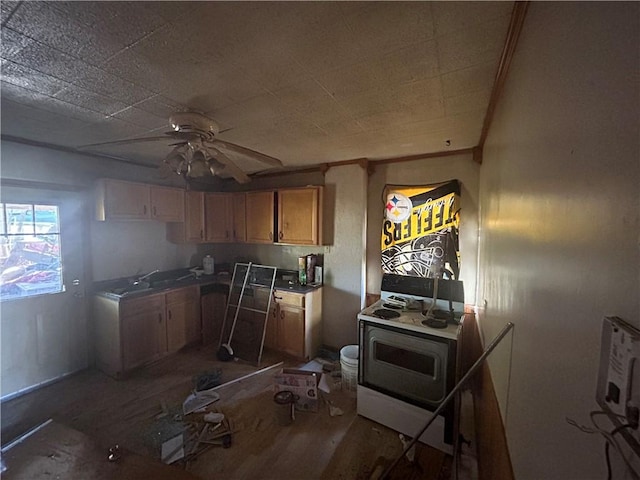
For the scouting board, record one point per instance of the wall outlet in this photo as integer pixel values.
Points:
(618, 389)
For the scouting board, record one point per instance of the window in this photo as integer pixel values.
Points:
(30, 259)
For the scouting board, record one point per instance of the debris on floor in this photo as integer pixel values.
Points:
(203, 430)
(196, 401)
(207, 380)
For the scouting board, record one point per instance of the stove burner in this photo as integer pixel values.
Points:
(392, 306)
(435, 323)
(385, 313)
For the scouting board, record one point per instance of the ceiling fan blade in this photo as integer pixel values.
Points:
(229, 167)
(247, 151)
(123, 142)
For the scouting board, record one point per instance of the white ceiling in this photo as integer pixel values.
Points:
(305, 82)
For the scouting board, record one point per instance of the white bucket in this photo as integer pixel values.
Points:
(349, 367)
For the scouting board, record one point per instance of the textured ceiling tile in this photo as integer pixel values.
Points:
(297, 80)
(328, 49)
(455, 16)
(13, 43)
(84, 98)
(257, 110)
(353, 80)
(53, 62)
(476, 45)
(139, 70)
(42, 22)
(409, 64)
(386, 26)
(99, 81)
(31, 79)
(141, 118)
(296, 96)
(40, 118)
(107, 129)
(19, 94)
(160, 106)
(6, 9)
(478, 77)
(468, 102)
(271, 66)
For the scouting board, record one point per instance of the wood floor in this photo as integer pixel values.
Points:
(314, 446)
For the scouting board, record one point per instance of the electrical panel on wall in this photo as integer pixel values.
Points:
(618, 390)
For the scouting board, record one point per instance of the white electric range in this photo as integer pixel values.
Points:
(408, 360)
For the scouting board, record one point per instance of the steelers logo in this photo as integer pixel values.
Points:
(398, 207)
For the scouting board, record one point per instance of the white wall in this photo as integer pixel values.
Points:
(39, 344)
(560, 216)
(122, 249)
(344, 260)
(425, 172)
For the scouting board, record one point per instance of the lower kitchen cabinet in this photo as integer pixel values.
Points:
(183, 318)
(135, 331)
(144, 334)
(213, 307)
(294, 323)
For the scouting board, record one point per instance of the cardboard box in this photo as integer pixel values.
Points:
(303, 384)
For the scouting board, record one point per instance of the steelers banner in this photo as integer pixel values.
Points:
(420, 230)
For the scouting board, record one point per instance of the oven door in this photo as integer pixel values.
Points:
(411, 366)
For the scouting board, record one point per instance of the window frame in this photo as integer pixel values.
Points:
(6, 234)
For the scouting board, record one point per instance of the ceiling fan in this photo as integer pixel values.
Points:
(197, 151)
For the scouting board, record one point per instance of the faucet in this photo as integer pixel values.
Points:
(144, 277)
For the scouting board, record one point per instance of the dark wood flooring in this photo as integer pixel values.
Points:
(314, 446)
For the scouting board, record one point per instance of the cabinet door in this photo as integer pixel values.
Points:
(183, 318)
(212, 308)
(167, 204)
(291, 330)
(144, 333)
(271, 335)
(194, 217)
(298, 216)
(239, 206)
(218, 217)
(260, 217)
(126, 200)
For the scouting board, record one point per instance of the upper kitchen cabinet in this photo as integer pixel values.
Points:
(300, 216)
(119, 200)
(218, 217)
(291, 216)
(167, 204)
(260, 216)
(192, 229)
(239, 207)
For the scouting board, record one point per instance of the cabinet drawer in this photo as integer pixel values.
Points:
(135, 306)
(295, 299)
(183, 295)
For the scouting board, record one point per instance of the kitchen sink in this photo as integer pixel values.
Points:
(136, 287)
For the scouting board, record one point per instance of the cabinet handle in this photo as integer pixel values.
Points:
(277, 298)
(159, 318)
(281, 236)
(169, 312)
(270, 235)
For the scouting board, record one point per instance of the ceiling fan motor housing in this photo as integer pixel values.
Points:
(192, 122)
